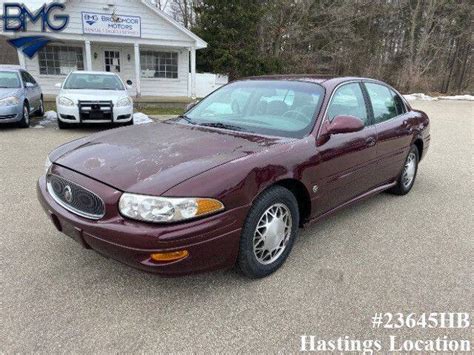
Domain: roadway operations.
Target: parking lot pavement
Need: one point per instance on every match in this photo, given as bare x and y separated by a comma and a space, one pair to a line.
387, 254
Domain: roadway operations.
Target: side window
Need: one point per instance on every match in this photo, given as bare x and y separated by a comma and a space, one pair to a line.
383, 102
348, 100
30, 78
24, 78
27, 78
399, 105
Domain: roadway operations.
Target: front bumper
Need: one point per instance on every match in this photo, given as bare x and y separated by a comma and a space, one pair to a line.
70, 114
9, 114
212, 242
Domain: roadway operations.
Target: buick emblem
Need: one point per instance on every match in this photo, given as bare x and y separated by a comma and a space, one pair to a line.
68, 194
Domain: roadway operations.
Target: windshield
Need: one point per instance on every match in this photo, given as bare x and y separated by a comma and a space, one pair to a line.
80, 81
270, 107
9, 80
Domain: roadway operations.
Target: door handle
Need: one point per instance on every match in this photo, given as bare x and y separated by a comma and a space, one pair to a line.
370, 141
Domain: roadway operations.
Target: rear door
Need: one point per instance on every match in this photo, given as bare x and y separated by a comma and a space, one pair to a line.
347, 159
394, 127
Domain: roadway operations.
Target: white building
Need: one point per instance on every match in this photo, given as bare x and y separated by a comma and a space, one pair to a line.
131, 37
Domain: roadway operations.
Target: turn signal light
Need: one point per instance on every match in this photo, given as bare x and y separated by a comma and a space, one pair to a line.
171, 256
207, 205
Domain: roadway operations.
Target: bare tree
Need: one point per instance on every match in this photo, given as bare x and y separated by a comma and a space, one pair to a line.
183, 11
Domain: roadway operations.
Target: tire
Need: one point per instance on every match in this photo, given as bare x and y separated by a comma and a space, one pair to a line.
259, 261
407, 177
40, 111
129, 123
63, 125
25, 119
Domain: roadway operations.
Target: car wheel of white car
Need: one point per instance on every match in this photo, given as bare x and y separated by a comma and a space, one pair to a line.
63, 125
25, 120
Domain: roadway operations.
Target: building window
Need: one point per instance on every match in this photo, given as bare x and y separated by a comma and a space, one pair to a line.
60, 60
159, 64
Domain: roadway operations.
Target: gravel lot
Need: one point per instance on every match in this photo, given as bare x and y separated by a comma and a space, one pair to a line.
387, 254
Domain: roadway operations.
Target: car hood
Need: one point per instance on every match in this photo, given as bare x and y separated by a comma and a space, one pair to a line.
152, 158
93, 95
5, 92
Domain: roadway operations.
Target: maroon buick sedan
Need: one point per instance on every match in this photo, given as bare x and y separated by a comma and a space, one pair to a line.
232, 180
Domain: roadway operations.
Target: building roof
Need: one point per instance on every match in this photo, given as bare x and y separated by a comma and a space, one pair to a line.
200, 43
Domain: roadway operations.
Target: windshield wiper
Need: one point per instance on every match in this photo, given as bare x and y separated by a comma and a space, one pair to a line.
223, 125
187, 119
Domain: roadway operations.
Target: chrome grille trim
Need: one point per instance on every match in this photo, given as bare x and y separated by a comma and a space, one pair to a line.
69, 207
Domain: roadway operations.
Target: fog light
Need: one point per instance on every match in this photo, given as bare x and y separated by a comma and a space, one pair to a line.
171, 256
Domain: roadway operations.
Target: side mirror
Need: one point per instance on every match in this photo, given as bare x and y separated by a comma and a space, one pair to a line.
191, 105
345, 124
339, 124
29, 85
129, 82
57, 85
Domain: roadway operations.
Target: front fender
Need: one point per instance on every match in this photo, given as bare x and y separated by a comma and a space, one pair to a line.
239, 182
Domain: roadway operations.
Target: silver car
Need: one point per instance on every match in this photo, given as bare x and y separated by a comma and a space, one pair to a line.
20, 96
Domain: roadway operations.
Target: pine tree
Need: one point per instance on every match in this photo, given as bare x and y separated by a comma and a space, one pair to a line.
231, 30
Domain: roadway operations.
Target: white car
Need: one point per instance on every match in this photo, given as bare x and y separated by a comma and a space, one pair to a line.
93, 97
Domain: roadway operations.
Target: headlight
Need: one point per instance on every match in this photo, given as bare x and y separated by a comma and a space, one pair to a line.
64, 101
47, 165
9, 101
164, 209
126, 101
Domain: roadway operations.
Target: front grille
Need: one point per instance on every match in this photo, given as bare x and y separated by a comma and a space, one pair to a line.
96, 110
75, 198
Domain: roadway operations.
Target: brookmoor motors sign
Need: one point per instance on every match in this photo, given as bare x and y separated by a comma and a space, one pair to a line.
111, 25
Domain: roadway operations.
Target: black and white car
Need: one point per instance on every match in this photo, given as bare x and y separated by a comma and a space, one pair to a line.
93, 97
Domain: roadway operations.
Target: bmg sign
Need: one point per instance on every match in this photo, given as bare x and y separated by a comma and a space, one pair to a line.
16, 17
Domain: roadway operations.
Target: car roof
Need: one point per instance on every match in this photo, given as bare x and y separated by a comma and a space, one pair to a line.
92, 72
14, 68
312, 78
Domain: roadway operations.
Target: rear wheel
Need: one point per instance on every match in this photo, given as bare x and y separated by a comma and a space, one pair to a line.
408, 175
25, 119
269, 232
40, 111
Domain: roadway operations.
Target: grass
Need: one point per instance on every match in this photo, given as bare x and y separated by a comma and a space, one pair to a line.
152, 111
51, 106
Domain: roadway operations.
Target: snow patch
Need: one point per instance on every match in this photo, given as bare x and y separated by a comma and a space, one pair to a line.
48, 120
424, 97
419, 96
457, 97
141, 118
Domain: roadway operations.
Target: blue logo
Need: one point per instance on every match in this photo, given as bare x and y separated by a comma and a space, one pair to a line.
16, 17
91, 19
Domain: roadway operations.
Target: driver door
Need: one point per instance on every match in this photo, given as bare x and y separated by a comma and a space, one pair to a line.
347, 162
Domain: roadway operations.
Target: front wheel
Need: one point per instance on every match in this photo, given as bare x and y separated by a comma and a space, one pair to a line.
269, 232
63, 125
407, 177
25, 119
